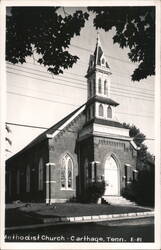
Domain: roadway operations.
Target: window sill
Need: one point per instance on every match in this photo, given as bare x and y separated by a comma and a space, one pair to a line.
67, 189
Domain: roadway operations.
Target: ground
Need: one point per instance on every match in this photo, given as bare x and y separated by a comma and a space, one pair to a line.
19, 214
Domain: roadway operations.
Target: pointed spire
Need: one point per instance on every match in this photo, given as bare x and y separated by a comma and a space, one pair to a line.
98, 39
98, 59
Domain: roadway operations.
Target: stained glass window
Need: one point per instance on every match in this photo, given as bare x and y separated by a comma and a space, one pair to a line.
67, 172
70, 168
63, 174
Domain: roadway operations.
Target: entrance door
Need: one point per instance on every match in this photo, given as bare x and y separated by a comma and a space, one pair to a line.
111, 177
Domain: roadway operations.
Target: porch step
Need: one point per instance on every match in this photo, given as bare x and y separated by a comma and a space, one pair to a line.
117, 200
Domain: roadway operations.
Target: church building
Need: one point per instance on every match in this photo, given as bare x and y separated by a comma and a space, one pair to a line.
86, 146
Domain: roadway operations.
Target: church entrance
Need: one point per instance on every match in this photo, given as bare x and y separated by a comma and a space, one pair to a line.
111, 177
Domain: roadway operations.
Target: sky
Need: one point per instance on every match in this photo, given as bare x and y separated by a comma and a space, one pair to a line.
36, 98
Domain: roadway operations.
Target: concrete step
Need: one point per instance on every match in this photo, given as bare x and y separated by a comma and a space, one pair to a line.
117, 200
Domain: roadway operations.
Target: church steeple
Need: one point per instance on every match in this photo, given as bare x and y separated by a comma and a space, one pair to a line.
99, 104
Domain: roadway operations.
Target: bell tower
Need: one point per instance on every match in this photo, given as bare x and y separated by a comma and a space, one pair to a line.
104, 144
99, 104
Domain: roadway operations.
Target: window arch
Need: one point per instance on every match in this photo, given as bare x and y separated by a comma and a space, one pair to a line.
66, 175
100, 111
109, 112
99, 86
40, 174
28, 178
105, 88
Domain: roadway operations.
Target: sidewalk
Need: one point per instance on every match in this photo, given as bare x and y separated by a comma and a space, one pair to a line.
25, 216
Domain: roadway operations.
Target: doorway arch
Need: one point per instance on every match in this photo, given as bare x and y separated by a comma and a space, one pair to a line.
111, 176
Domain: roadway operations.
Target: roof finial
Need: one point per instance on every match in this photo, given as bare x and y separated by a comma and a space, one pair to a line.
98, 37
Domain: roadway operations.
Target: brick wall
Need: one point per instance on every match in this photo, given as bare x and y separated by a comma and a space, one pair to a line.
65, 143
121, 150
20, 161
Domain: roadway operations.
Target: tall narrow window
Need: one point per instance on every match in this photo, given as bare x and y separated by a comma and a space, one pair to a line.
28, 178
63, 174
66, 175
40, 175
100, 111
105, 88
18, 181
70, 173
109, 112
99, 86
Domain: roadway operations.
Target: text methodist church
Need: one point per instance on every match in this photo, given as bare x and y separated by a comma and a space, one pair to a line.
87, 145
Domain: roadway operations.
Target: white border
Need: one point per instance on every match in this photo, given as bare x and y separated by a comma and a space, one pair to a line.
82, 3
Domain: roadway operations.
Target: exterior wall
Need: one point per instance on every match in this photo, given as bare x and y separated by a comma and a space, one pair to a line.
122, 152
97, 149
86, 157
30, 157
65, 143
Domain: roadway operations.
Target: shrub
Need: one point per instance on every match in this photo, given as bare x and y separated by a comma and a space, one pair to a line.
93, 192
142, 190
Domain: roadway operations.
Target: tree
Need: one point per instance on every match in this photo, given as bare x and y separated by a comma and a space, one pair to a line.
134, 29
8, 140
141, 190
144, 157
44, 31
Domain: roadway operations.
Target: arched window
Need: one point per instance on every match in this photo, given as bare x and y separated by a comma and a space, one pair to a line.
18, 181
105, 88
109, 112
66, 175
103, 60
100, 111
40, 174
28, 178
99, 86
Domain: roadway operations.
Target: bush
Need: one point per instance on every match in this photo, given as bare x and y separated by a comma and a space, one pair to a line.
142, 190
93, 192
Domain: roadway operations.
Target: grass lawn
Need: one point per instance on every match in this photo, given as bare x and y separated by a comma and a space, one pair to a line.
77, 209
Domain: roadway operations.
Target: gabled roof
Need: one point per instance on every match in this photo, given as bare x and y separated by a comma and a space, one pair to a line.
51, 130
